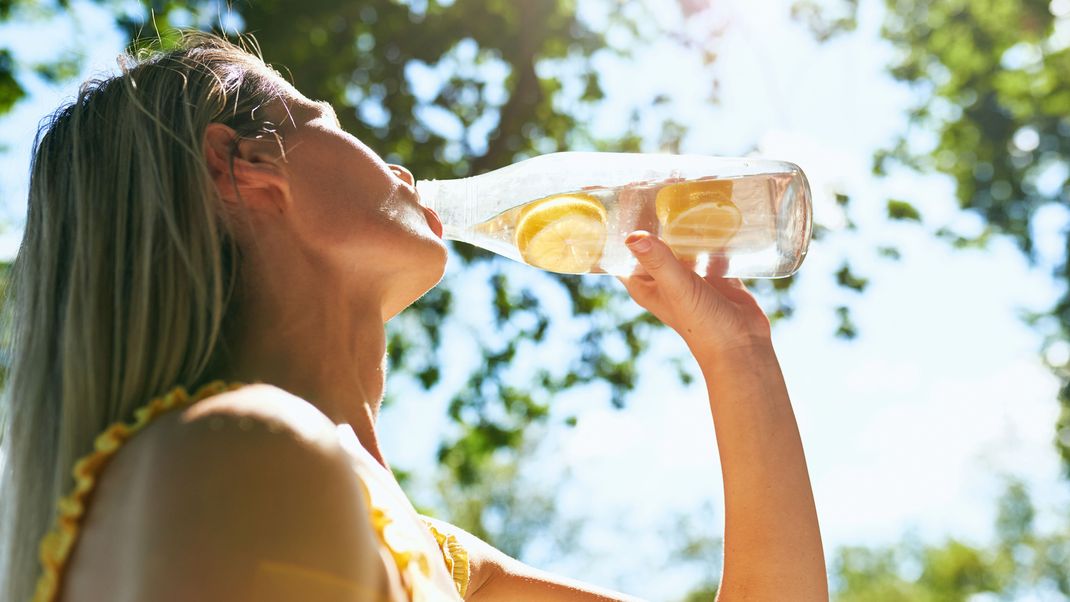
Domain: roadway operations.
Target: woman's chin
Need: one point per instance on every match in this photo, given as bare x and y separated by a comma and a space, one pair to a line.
424, 275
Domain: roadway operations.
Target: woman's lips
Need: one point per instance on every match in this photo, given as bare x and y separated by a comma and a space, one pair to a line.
433, 221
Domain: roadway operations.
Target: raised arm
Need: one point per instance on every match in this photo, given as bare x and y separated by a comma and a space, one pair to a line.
772, 541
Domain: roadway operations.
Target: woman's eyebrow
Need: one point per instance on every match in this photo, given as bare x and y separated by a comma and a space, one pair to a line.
329, 110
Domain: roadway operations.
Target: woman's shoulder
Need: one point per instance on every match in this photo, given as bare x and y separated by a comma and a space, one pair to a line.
246, 414
248, 488
214, 434
249, 445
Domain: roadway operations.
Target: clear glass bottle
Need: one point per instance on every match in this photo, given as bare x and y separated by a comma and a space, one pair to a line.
569, 212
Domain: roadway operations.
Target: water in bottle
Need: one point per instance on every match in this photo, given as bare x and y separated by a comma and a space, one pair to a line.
749, 218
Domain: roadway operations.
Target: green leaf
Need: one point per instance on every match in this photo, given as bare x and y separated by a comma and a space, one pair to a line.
846, 328
10, 90
847, 279
889, 252
902, 210
60, 70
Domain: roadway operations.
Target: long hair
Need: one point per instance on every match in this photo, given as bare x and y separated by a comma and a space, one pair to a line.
125, 276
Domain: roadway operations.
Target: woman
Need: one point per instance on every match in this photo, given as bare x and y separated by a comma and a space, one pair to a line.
196, 223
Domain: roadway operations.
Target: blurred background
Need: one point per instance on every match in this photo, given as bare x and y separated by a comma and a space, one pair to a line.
924, 340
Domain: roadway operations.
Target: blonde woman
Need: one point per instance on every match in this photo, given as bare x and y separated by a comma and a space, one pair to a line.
197, 314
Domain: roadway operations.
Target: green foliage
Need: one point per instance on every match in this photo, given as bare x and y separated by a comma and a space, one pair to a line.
507, 509
846, 328
694, 543
61, 69
10, 90
902, 210
958, 570
950, 572
826, 21
868, 575
497, 108
889, 252
704, 593
989, 85
847, 279
992, 83
1020, 564
489, 103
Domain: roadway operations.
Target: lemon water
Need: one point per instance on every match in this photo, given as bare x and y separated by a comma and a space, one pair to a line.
737, 217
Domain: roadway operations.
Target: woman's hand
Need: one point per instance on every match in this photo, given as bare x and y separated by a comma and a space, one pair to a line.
772, 539
713, 314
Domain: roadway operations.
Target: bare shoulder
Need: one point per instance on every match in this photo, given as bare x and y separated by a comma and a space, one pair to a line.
258, 408
248, 495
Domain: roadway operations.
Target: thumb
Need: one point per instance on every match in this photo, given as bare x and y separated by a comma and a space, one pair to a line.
658, 260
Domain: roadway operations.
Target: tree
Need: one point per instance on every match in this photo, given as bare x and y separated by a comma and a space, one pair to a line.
1020, 564
993, 81
488, 104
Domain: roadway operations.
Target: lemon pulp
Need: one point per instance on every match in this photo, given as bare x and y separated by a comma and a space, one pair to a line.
563, 233
697, 216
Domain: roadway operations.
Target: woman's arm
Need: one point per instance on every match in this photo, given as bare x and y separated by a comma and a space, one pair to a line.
497, 577
773, 546
772, 541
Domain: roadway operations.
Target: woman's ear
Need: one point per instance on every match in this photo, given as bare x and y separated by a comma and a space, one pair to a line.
250, 171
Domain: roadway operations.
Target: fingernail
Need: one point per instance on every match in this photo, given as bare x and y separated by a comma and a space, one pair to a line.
638, 243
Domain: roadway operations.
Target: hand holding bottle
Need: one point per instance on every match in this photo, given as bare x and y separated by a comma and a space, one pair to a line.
713, 314
772, 545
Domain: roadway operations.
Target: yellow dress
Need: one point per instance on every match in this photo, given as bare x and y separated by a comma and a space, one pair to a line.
56, 546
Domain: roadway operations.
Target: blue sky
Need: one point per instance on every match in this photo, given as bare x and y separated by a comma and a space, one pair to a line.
909, 429
912, 429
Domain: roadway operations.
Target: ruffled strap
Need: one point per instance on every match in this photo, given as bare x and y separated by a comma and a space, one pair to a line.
412, 563
455, 557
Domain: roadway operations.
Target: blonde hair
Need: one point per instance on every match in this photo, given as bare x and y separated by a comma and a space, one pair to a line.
126, 271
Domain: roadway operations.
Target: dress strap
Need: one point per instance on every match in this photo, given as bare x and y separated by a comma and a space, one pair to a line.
454, 555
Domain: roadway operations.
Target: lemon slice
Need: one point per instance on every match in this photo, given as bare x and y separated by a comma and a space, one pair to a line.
704, 227
697, 216
675, 199
563, 233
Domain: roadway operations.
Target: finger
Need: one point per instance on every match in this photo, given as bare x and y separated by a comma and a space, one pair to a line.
716, 268
638, 281
641, 289
659, 261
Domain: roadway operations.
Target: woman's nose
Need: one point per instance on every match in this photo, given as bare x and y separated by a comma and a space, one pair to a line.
404, 173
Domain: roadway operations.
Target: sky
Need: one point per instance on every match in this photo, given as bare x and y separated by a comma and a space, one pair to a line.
911, 429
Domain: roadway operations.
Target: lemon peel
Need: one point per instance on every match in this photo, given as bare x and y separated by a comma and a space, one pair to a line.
697, 216
563, 233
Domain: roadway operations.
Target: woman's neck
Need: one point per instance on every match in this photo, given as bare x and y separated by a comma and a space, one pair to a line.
331, 354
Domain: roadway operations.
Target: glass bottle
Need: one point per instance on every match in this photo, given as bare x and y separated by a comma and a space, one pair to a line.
569, 212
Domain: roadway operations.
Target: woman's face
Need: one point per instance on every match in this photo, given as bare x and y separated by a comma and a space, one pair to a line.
354, 214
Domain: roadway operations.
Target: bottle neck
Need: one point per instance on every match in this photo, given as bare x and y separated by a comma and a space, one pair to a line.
454, 201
